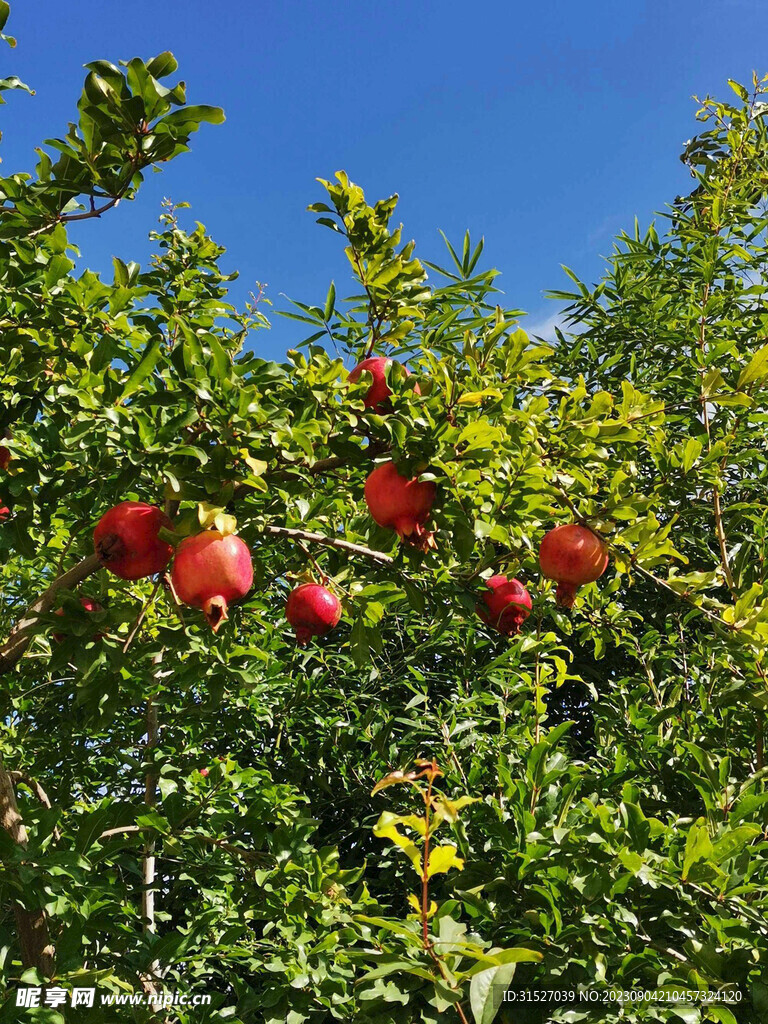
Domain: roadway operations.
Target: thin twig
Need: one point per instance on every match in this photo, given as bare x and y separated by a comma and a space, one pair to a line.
142, 614
712, 616
331, 542
68, 218
249, 856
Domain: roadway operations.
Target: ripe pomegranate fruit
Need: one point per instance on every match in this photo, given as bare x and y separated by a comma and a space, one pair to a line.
210, 571
506, 604
378, 394
312, 610
90, 606
127, 542
572, 555
401, 504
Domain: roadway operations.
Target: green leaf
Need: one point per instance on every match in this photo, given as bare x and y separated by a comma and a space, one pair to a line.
162, 65
193, 115
739, 89
222, 366
390, 925
698, 847
734, 841
692, 451
330, 302
756, 369
486, 992
143, 368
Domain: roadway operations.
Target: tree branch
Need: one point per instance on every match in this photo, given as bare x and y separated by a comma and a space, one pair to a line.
374, 449
68, 218
712, 616
249, 856
21, 634
38, 791
331, 542
14, 647
34, 785
142, 614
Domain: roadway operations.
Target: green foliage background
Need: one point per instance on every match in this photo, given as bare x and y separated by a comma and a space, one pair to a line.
617, 836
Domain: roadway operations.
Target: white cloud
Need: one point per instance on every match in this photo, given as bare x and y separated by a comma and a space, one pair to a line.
544, 327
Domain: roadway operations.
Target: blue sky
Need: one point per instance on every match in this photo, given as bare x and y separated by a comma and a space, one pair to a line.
545, 127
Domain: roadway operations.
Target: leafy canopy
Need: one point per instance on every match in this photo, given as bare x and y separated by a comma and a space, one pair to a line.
583, 805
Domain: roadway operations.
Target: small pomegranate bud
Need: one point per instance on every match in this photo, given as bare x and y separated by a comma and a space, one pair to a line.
378, 394
90, 606
505, 606
204, 772
401, 504
127, 542
312, 610
210, 571
572, 555
4, 511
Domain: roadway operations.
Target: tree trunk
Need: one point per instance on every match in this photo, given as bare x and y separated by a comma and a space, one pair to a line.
34, 940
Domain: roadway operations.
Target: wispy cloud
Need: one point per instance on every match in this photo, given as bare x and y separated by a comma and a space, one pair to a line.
545, 327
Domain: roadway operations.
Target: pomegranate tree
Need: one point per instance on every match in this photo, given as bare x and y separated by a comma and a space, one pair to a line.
210, 571
312, 610
90, 605
378, 394
572, 555
401, 504
127, 540
505, 605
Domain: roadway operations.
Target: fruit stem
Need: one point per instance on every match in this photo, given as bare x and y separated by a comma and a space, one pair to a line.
313, 561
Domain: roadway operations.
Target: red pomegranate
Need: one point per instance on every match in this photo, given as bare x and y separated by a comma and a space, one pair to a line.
210, 571
572, 555
90, 606
312, 610
401, 504
378, 394
4, 511
204, 772
506, 605
127, 542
